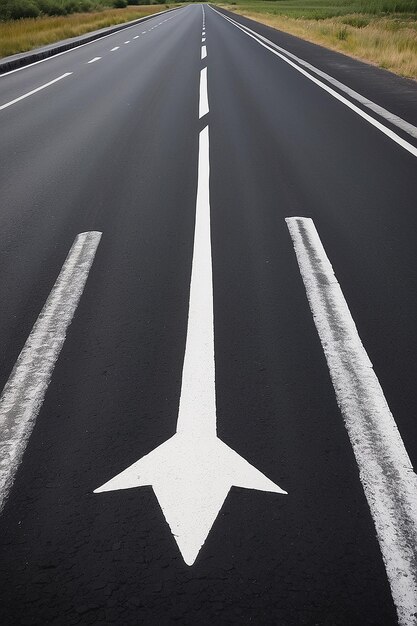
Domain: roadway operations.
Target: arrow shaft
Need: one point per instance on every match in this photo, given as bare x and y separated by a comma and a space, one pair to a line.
197, 410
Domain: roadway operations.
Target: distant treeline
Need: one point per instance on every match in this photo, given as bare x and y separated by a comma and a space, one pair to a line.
17, 9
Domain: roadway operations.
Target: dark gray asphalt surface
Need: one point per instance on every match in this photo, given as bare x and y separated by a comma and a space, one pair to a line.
114, 147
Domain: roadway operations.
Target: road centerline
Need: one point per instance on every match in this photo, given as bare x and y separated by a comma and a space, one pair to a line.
203, 103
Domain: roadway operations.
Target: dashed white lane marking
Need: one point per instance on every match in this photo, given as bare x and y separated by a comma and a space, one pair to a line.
24, 392
88, 43
192, 473
203, 104
127, 41
386, 131
385, 469
115, 48
203, 52
144, 32
203, 40
137, 37
30, 93
93, 60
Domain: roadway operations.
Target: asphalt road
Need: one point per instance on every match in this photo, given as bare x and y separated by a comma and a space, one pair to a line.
115, 147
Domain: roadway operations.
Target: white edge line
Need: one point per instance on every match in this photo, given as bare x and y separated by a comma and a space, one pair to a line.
54, 56
376, 108
385, 469
386, 131
24, 392
30, 93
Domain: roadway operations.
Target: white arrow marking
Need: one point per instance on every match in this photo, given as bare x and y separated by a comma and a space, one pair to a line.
192, 473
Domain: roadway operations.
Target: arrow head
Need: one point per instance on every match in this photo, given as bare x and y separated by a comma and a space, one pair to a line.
191, 478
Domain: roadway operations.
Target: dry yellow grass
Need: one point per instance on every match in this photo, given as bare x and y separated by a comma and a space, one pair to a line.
389, 42
26, 34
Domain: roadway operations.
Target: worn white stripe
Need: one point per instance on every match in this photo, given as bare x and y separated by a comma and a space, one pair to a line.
383, 129
115, 48
203, 105
385, 469
136, 37
30, 93
203, 52
24, 392
94, 60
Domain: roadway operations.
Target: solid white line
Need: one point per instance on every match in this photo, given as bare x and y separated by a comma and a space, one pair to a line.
25, 390
94, 60
88, 43
203, 52
203, 104
198, 377
386, 131
385, 468
30, 93
115, 48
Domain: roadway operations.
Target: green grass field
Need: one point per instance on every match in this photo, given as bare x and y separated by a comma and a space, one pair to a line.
383, 32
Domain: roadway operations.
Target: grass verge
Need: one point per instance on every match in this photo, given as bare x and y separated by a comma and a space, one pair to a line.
382, 32
26, 34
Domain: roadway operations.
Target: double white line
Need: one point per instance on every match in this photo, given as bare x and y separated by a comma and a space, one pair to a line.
390, 117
